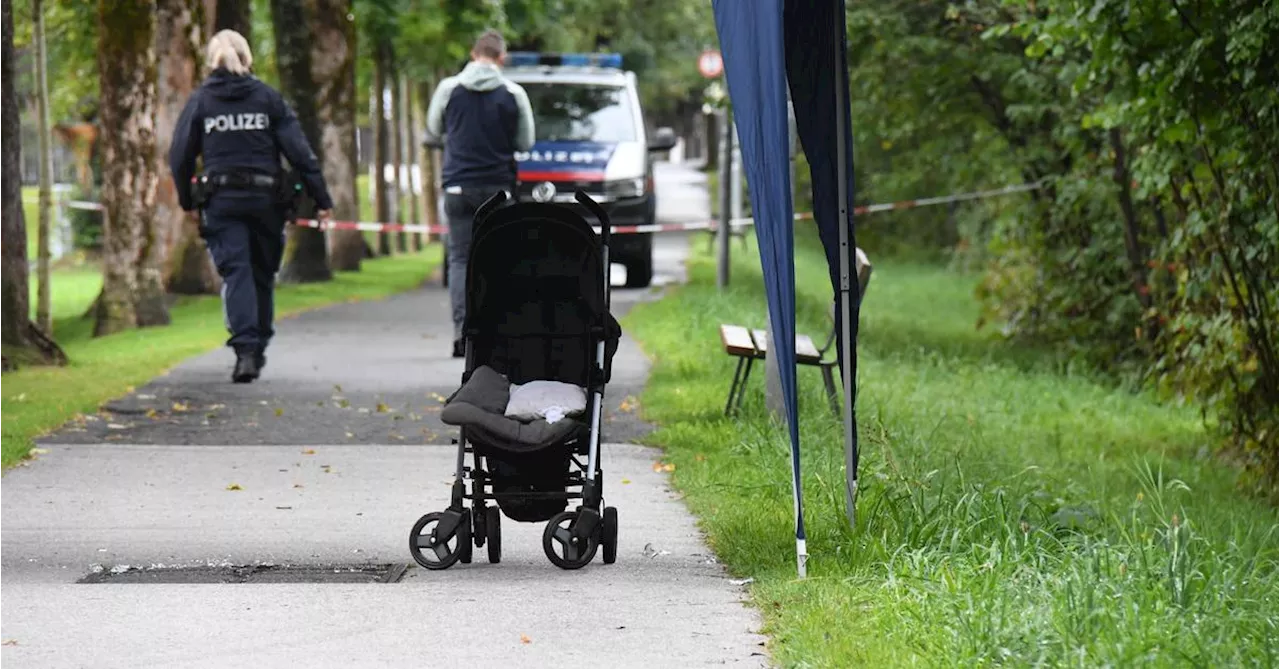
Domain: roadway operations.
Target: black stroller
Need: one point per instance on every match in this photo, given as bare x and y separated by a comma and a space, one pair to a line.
537, 310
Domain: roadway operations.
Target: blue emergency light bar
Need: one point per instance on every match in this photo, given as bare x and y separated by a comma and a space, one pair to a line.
534, 58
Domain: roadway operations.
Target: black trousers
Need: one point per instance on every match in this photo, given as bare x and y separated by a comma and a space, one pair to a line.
245, 235
460, 210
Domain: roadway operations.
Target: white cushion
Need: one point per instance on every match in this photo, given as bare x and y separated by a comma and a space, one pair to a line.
549, 400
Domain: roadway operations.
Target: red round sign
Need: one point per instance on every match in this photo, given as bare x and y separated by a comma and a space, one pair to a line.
710, 64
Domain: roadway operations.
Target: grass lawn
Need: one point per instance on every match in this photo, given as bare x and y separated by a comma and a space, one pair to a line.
39, 399
1013, 509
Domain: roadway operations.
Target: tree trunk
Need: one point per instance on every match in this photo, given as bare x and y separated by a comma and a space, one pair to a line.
306, 255
188, 269
333, 68
1132, 240
44, 317
427, 156
398, 157
132, 285
381, 145
23, 343
234, 15
409, 118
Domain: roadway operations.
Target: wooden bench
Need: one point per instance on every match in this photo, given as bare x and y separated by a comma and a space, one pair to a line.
749, 345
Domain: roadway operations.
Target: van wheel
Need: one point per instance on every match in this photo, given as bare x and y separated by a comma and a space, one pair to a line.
640, 265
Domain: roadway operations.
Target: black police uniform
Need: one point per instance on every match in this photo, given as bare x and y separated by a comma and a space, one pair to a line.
241, 126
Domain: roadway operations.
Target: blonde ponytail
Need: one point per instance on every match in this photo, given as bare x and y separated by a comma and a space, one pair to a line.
229, 50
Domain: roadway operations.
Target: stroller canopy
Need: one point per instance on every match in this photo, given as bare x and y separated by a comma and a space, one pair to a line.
537, 295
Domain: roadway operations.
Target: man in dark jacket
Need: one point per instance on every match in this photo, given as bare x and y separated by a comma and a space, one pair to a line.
484, 119
240, 127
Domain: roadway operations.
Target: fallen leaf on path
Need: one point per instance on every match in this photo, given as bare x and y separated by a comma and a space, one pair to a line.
309, 451
180, 407
39, 451
234, 486
626, 481
343, 404
628, 405
151, 413
129, 389
337, 387
669, 467
279, 412
663, 467
382, 408
524, 638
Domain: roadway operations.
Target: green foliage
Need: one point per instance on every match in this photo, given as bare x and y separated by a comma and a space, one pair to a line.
1152, 248
86, 225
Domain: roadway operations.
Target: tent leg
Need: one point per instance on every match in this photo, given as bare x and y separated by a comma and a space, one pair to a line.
846, 310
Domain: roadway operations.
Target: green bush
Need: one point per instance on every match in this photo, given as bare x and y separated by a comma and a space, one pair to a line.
86, 225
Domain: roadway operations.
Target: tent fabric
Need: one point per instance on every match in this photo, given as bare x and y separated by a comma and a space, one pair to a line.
751, 44
770, 47
811, 51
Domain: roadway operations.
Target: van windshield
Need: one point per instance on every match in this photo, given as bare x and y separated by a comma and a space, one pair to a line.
580, 113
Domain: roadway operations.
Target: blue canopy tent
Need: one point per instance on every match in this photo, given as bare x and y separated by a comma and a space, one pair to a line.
768, 48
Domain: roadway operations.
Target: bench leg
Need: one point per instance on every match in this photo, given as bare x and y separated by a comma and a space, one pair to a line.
828, 379
735, 387
742, 388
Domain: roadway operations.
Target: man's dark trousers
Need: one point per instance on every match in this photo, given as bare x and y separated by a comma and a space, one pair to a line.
460, 209
245, 236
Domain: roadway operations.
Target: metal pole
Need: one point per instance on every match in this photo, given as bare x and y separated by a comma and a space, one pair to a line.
735, 183
846, 310
726, 174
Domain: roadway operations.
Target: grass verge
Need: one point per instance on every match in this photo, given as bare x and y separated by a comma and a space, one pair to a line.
1013, 510
38, 399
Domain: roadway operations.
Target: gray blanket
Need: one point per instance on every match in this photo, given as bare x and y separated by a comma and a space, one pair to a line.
481, 403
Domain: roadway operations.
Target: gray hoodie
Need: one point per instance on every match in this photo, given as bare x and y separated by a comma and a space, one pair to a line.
484, 119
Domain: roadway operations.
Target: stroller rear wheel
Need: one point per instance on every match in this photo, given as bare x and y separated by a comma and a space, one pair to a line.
493, 527
610, 539
566, 547
438, 539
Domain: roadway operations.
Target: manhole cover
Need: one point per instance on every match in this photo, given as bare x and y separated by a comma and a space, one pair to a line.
361, 573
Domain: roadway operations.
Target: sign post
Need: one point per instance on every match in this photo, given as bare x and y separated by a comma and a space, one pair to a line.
710, 64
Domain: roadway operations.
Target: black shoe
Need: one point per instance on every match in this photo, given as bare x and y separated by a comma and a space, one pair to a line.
246, 369
459, 349
260, 359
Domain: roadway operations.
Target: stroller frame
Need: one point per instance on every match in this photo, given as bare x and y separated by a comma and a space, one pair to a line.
572, 537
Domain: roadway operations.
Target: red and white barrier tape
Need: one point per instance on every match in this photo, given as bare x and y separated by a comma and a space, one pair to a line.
365, 226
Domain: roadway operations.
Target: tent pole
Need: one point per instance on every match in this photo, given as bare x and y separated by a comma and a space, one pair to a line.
726, 215
846, 311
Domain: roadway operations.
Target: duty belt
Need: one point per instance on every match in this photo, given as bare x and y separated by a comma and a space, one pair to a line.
242, 180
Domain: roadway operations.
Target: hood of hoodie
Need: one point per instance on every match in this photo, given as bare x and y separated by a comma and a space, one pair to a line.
480, 77
223, 85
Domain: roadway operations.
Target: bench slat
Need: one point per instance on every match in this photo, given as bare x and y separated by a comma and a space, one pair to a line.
806, 352
737, 340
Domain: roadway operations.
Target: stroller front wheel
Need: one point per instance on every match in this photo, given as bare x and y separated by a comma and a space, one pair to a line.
438, 539
565, 548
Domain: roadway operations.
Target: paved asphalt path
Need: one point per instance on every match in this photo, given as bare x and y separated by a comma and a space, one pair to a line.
320, 468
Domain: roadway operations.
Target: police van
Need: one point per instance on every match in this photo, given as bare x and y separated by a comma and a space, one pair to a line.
591, 135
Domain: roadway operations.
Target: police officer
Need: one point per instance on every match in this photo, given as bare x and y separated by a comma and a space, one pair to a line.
240, 126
